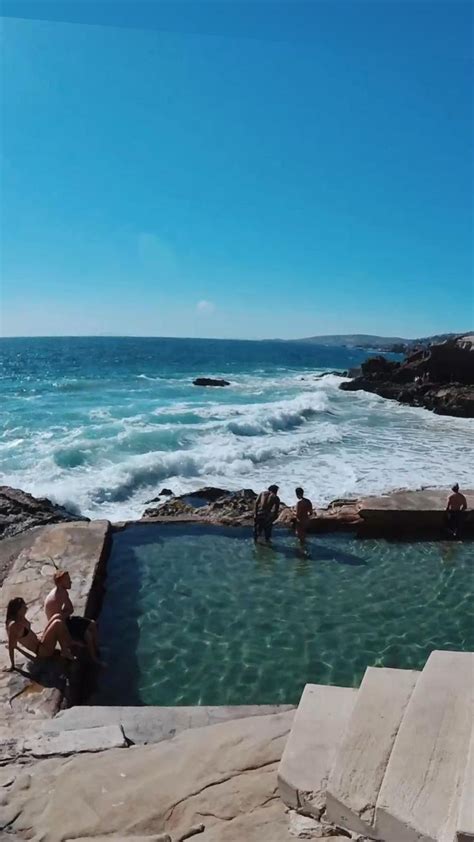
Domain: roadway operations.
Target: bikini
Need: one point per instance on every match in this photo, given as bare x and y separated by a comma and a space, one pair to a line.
26, 631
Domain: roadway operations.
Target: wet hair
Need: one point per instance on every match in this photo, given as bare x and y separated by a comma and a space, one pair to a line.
13, 608
58, 575
273, 488
299, 491
455, 487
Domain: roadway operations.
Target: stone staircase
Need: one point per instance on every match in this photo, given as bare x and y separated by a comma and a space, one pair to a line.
392, 761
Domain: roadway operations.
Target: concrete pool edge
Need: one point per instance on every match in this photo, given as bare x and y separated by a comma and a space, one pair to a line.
403, 514
39, 690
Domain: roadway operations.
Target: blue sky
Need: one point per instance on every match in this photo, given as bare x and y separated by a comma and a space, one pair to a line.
238, 170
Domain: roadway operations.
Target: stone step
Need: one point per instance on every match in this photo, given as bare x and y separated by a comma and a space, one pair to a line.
310, 751
362, 758
420, 796
152, 724
75, 742
465, 822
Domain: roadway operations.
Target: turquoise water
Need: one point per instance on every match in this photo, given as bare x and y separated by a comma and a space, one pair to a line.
102, 424
198, 615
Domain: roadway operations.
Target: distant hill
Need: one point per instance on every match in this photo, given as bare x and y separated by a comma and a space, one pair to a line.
380, 343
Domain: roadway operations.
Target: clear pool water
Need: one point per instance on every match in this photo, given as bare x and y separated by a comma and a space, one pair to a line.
198, 615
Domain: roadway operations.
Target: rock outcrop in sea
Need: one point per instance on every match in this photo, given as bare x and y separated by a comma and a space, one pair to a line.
210, 381
439, 378
20, 511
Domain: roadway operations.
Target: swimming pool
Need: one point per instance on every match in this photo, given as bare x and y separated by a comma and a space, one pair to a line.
197, 615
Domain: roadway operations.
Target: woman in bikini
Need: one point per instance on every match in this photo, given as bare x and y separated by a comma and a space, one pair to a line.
20, 634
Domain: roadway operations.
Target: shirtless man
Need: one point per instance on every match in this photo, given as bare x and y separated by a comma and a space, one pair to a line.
456, 505
58, 603
304, 510
267, 506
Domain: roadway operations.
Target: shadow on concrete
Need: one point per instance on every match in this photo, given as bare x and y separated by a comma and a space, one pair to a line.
118, 624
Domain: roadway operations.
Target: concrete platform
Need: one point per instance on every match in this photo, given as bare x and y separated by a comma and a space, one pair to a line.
149, 725
421, 793
310, 752
411, 513
362, 758
38, 687
465, 822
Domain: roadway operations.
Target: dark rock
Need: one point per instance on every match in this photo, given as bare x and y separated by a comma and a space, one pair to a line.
166, 492
439, 378
209, 381
327, 373
214, 505
209, 493
20, 511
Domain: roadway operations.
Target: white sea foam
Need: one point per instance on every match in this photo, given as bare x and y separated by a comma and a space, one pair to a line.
263, 429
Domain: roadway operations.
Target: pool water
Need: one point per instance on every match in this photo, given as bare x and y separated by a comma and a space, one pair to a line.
199, 615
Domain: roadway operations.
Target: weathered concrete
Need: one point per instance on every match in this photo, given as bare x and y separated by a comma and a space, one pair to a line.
38, 687
310, 752
465, 821
363, 755
76, 742
147, 725
420, 795
223, 776
411, 513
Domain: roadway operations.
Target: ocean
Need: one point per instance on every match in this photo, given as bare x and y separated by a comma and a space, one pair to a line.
101, 425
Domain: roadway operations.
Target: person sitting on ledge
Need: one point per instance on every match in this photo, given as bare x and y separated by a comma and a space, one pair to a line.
20, 633
455, 508
304, 510
83, 632
267, 507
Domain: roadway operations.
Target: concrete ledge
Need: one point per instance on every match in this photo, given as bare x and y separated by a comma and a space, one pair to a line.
411, 514
76, 742
311, 748
38, 687
420, 795
465, 822
152, 724
364, 753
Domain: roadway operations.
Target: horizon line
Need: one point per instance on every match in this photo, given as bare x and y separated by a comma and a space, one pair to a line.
304, 339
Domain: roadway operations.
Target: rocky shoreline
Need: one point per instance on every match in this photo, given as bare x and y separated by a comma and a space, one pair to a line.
439, 378
398, 514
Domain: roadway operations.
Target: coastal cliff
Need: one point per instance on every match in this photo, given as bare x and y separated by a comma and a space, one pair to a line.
439, 378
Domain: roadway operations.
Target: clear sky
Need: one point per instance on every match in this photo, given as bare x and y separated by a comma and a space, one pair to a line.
259, 169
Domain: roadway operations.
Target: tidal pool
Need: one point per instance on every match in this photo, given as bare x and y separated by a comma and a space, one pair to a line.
199, 615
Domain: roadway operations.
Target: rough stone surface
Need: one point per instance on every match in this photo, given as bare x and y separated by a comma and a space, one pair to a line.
149, 724
223, 776
402, 513
310, 752
20, 511
411, 513
440, 378
465, 822
363, 755
420, 795
76, 741
38, 687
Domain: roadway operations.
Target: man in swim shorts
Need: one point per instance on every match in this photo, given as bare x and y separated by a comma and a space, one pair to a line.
304, 510
267, 507
58, 603
455, 508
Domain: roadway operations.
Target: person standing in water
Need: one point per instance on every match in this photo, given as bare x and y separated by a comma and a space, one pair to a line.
304, 510
455, 508
267, 507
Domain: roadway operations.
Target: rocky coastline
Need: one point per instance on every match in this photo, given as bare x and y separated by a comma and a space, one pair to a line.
398, 514
439, 378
